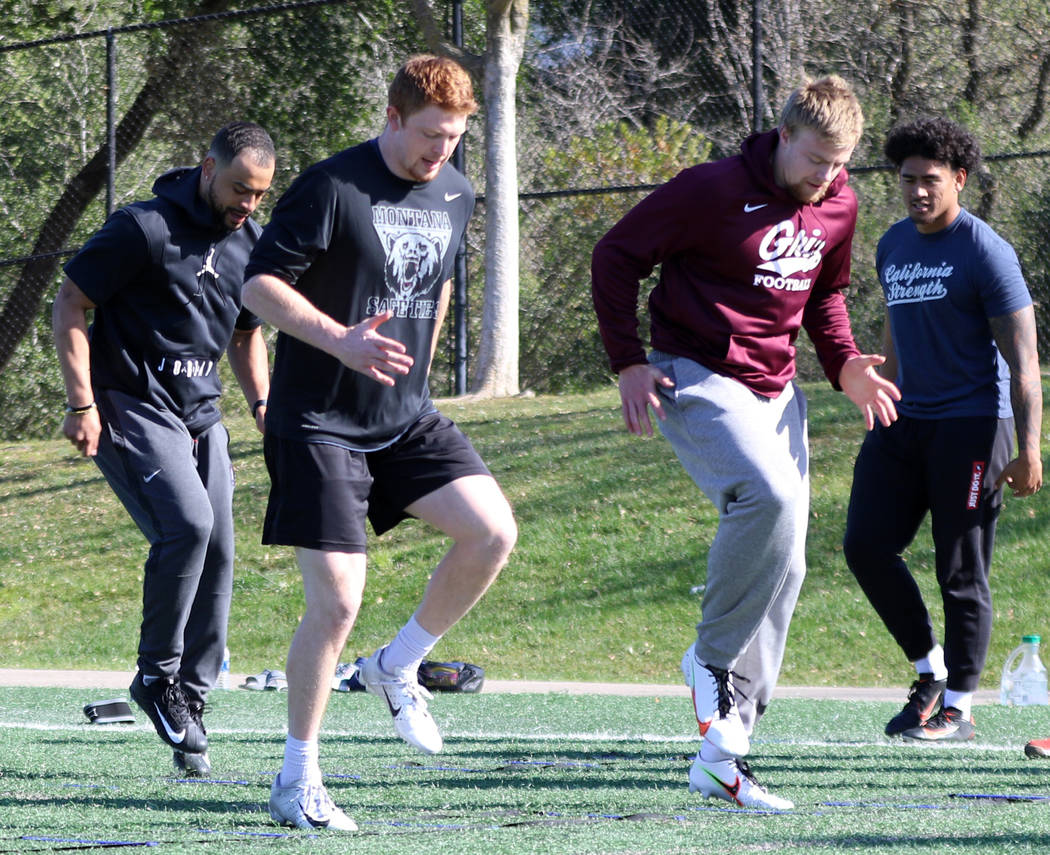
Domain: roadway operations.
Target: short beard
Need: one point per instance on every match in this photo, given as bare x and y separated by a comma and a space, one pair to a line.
218, 214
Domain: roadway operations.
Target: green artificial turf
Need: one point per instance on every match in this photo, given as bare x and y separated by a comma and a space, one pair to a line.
521, 774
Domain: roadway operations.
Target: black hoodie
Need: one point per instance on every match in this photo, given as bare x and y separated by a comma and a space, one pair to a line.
166, 278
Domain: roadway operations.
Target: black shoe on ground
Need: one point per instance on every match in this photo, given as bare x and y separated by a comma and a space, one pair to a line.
923, 698
948, 725
191, 765
1037, 749
165, 704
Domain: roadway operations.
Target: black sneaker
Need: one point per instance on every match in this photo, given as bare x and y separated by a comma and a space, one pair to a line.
923, 698
165, 704
947, 726
191, 765
196, 709
1037, 749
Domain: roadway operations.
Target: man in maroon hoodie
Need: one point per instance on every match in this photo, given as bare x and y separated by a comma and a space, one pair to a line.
751, 248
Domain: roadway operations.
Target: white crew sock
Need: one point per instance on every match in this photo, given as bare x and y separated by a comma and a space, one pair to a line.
933, 663
962, 701
300, 761
408, 648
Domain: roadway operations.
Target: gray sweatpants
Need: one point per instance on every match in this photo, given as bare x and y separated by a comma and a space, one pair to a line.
179, 491
749, 455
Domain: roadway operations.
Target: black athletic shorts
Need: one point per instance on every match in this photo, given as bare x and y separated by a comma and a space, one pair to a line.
320, 494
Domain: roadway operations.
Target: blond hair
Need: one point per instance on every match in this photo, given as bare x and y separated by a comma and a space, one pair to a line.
829, 107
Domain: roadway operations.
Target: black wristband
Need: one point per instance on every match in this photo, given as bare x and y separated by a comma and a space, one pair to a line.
255, 407
79, 411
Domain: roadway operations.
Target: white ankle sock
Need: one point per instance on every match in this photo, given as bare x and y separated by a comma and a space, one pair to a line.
300, 761
962, 701
933, 663
408, 648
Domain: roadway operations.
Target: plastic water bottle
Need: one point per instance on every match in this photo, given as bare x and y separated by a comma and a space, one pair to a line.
224, 672
1025, 684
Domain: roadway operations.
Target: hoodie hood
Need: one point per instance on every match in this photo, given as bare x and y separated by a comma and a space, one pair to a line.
180, 187
758, 150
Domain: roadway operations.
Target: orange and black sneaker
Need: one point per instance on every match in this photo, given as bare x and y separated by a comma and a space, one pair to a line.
948, 725
923, 698
1037, 749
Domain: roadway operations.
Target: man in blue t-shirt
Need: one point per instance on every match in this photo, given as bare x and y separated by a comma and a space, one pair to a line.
960, 339
354, 269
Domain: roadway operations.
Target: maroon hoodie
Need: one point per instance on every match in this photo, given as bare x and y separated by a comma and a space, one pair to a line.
744, 266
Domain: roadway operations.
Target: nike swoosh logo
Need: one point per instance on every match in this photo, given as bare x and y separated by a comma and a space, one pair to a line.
151, 476
394, 711
748, 208
926, 714
175, 736
732, 789
316, 823
449, 197
703, 723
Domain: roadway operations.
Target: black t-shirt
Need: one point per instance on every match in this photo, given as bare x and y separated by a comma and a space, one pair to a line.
357, 240
166, 280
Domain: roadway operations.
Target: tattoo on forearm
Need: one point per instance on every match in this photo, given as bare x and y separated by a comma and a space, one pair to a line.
1015, 337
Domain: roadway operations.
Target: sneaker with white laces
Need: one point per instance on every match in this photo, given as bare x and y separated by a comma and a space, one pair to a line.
305, 805
733, 781
407, 701
714, 702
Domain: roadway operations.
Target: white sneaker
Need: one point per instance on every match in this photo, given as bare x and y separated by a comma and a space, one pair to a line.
714, 702
304, 805
732, 780
407, 701
687, 666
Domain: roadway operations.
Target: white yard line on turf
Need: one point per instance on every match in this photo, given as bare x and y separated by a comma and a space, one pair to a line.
525, 736
122, 679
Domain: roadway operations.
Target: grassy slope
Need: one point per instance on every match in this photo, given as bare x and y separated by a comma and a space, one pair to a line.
613, 537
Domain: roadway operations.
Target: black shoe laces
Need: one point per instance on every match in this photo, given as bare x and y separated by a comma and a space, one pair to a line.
197, 714
174, 702
725, 689
917, 695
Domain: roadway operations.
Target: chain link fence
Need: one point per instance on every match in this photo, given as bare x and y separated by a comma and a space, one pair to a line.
614, 99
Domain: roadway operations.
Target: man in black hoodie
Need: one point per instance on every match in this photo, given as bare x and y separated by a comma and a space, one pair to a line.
163, 278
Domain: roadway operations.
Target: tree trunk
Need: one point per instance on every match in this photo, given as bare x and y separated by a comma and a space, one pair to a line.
497, 367
506, 22
23, 303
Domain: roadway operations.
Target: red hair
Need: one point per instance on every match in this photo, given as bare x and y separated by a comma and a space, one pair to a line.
426, 79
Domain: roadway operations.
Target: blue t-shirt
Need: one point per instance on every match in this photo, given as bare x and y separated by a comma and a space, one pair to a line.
940, 290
